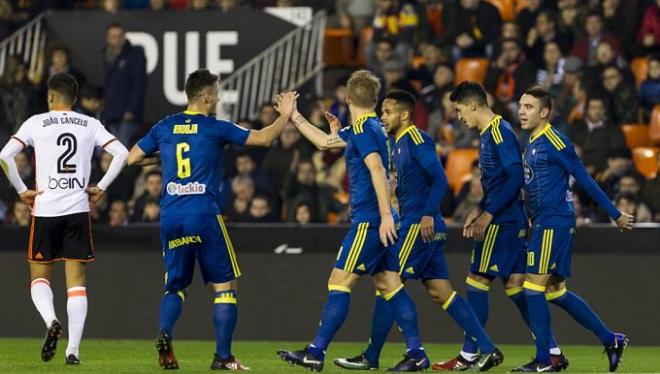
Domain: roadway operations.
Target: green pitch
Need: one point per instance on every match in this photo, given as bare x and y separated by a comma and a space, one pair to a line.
139, 356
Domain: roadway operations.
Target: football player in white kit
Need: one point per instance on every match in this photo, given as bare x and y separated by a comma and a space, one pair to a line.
60, 229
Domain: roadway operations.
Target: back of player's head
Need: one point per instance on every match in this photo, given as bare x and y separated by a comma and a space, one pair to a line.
402, 98
198, 81
468, 91
542, 95
64, 86
363, 88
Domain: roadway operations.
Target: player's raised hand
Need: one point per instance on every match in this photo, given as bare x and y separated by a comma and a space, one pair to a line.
427, 228
625, 221
479, 226
467, 227
285, 103
28, 196
95, 194
387, 230
333, 121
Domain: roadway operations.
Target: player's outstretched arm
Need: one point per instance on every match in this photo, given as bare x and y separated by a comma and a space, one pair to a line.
387, 228
315, 135
284, 104
138, 157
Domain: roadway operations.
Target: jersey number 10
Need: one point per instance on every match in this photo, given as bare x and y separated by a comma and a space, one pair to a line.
182, 164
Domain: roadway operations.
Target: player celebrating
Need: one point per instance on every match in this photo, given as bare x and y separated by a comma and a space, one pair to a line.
362, 249
60, 229
419, 252
499, 223
191, 149
549, 161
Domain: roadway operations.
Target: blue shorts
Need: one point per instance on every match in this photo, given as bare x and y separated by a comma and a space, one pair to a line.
550, 250
414, 259
201, 237
501, 253
361, 251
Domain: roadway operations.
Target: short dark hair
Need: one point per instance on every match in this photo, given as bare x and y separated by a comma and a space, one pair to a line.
199, 80
65, 85
152, 173
550, 14
596, 96
404, 98
594, 13
515, 41
89, 91
469, 91
115, 25
542, 95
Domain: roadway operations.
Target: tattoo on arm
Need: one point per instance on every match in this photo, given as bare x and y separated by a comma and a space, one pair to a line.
334, 140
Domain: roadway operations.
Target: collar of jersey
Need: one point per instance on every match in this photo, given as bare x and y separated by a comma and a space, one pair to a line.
492, 121
364, 117
191, 113
545, 129
409, 129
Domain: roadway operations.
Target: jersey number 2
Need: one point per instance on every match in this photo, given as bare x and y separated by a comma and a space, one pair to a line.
69, 141
182, 164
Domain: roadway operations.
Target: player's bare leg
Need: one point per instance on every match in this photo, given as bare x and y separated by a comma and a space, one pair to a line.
76, 307
224, 317
42, 297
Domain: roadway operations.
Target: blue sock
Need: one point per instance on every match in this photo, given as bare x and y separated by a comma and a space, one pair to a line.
478, 300
224, 318
539, 320
170, 310
381, 324
333, 316
517, 295
405, 315
460, 311
582, 313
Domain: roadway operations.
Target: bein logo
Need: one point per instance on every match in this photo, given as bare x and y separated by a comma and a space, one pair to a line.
192, 188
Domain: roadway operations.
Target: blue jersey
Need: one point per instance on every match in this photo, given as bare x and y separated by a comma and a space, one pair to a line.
191, 149
501, 173
549, 161
364, 137
420, 179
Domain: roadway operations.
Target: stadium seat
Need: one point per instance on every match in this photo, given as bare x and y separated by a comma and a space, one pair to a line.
646, 160
472, 69
520, 5
459, 163
637, 135
654, 128
640, 68
365, 37
337, 46
507, 9
417, 62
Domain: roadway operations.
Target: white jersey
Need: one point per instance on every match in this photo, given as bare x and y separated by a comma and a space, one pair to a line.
63, 143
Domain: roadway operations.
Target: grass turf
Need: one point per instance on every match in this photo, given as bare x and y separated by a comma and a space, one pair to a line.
139, 356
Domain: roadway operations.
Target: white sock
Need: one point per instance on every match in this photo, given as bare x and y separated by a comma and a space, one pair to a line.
42, 297
469, 356
76, 308
555, 351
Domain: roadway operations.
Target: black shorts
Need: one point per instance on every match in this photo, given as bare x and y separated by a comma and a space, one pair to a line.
61, 238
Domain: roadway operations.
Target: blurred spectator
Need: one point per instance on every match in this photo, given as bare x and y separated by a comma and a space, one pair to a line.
354, 14
619, 165
151, 211
21, 214
288, 150
471, 201
330, 168
649, 91
475, 173
509, 75
551, 75
621, 20
443, 81
261, 211
448, 131
303, 213
226, 6
245, 166
433, 55
544, 32
300, 185
384, 50
125, 84
25, 169
649, 32
572, 14
90, 101
566, 100
60, 62
198, 5
123, 186
237, 208
526, 18
18, 95
622, 95
157, 5
398, 21
583, 215
651, 194
339, 107
118, 214
110, 6
510, 30
629, 203
605, 56
153, 186
394, 76
472, 27
267, 115
596, 135
585, 48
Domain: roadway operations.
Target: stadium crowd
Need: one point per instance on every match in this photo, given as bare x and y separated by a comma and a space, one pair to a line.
582, 51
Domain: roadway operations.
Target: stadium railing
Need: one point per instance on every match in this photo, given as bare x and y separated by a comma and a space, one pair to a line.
29, 43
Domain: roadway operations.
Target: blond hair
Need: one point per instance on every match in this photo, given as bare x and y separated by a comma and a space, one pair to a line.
363, 88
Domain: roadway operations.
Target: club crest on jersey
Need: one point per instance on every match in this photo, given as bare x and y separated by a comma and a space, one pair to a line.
529, 173
192, 188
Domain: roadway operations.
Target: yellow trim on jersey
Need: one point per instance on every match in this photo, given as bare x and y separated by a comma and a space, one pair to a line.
487, 249
191, 112
356, 247
230, 247
334, 287
555, 295
554, 139
378, 293
388, 296
408, 244
513, 291
414, 134
546, 128
546, 250
490, 123
358, 126
476, 284
533, 287
449, 301
182, 295
225, 299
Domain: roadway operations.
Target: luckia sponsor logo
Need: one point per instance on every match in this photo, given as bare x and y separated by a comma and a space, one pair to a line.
192, 188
